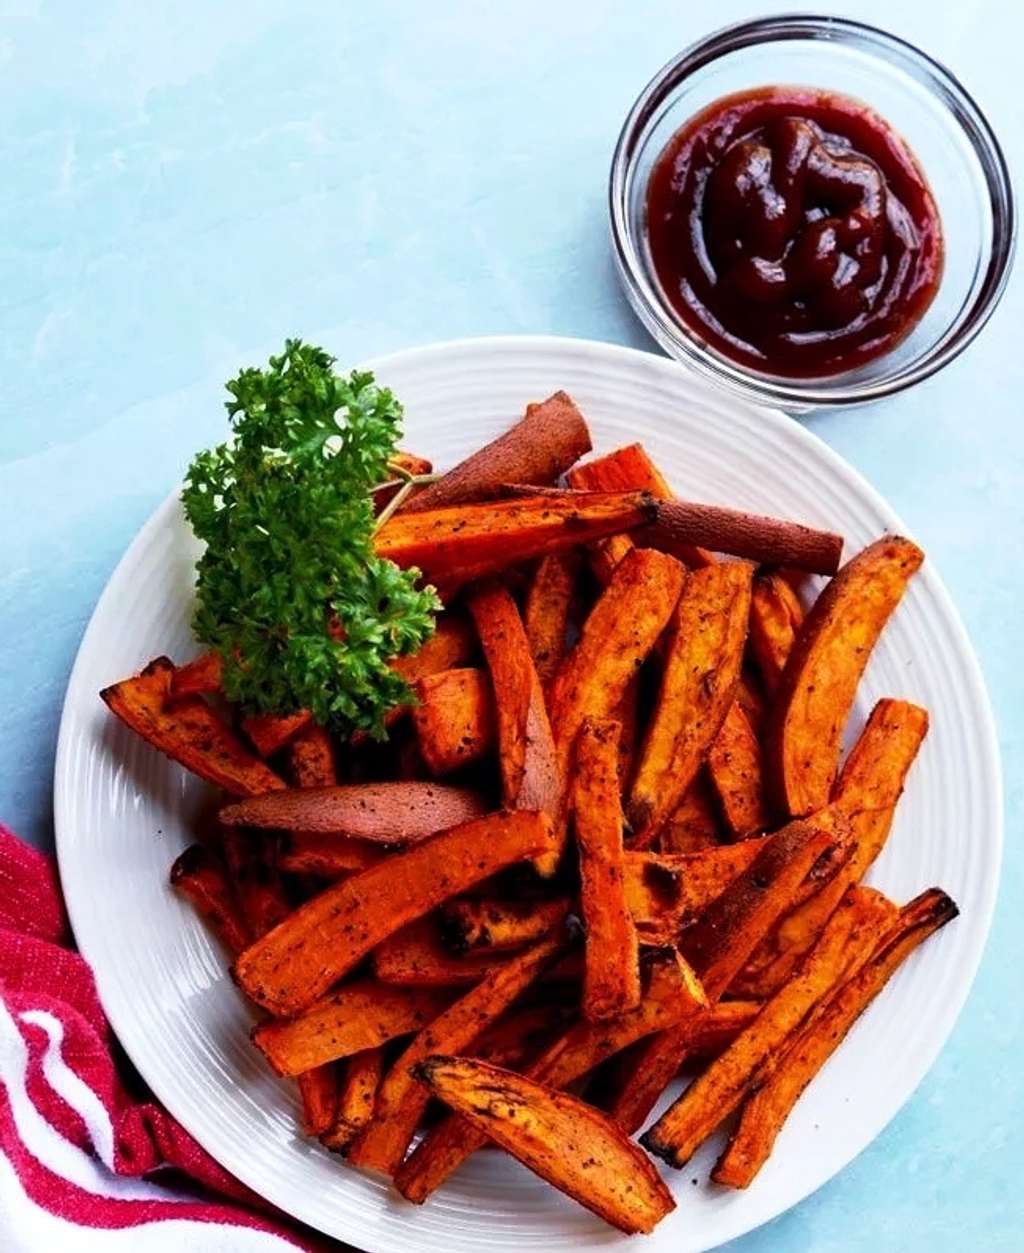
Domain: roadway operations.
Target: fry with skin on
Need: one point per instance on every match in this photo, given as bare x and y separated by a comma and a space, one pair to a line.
188, 731
526, 750
775, 618
454, 719
767, 541
611, 979
817, 688
358, 1016
702, 668
559, 1137
291, 966
672, 994
384, 813
620, 631
401, 1101
768, 1108
548, 604
850, 934
469, 541
477, 923
717, 945
198, 875
624, 469
417, 956
356, 1093
734, 768
538, 449
867, 792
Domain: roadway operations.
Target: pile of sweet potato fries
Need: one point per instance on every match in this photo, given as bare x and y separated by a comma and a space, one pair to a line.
610, 841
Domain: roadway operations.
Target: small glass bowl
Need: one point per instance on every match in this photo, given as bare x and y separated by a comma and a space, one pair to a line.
918, 97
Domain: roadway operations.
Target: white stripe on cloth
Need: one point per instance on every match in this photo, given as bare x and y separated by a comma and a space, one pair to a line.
71, 1089
42, 1140
27, 1228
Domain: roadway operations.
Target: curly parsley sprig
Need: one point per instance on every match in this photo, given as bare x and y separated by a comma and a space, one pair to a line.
290, 591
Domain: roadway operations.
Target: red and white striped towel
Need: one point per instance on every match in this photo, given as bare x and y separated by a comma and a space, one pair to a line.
80, 1157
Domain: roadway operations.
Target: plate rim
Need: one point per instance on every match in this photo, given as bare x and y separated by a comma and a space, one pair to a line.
989, 756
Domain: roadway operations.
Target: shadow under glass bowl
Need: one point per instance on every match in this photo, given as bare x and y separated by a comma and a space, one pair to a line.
920, 99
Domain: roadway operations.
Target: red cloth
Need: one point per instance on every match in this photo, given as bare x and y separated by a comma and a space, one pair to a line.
77, 1150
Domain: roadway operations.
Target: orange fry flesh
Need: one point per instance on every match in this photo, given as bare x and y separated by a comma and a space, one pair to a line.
291, 966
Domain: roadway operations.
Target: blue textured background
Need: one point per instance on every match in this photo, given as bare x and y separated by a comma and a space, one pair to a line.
185, 184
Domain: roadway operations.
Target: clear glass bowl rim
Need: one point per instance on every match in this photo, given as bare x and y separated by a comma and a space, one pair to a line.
800, 394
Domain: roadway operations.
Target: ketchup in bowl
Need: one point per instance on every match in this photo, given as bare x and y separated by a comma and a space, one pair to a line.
794, 231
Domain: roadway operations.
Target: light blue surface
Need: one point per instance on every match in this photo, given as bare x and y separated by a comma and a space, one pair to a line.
185, 184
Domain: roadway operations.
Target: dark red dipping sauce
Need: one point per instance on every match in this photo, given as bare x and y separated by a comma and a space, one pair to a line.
794, 231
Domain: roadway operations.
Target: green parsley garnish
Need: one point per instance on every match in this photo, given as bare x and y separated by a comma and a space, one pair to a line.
290, 592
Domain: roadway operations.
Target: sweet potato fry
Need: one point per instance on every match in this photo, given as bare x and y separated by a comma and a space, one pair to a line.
189, 732
295, 963
311, 759
867, 792
548, 605
538, 449
383, 813
714, 1028
325, 856
694, 823
358, 1016
250, 860
775, 618
401, 1101
629, 469
611, 980
454, 720
734, 768
681, 524
667, 891
751, 699
318, 1091
702, 668
518, 1036
606, 554
269, 733
672, 993
559, 1137
198, 875
620, 631
717, 945
485, 923
768, 1108
452, 644
526, 749
710, 1099
417, 956
470, 541
817, 687
199, 677
356, 1093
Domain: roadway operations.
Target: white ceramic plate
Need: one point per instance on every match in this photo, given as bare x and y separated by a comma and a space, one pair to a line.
123, 813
